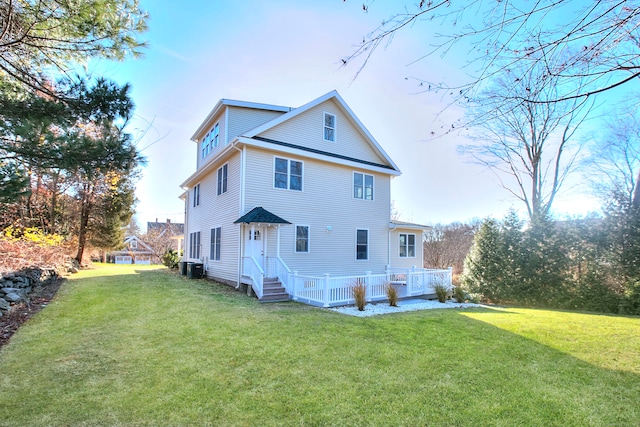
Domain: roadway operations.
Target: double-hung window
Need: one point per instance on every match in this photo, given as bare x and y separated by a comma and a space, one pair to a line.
194, 245
302, 238
222, 179
196, 195
407, 245
287, 174
216, 238
215, 135
362, 186
329, 127
362, 244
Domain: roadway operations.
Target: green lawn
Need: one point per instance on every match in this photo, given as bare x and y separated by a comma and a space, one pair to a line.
137, 346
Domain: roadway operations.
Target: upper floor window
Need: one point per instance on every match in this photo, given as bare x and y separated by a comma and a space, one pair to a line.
362, 186
196, 195
222, 179
287, 174
216, 239
133, 244
362, 244
211, 140
302, 238
329, 127
407, 245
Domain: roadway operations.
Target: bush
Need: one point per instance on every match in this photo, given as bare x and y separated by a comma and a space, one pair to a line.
392, 295
459, 294
171, 258
359, 291
441, 292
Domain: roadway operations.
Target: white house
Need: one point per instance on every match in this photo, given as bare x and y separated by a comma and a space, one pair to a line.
295, 203
135, 251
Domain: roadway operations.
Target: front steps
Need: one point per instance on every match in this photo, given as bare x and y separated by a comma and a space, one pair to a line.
272, 291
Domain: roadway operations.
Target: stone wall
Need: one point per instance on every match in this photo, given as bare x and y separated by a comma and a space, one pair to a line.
16, 287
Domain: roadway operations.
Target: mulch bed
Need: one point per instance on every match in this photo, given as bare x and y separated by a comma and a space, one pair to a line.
20, 313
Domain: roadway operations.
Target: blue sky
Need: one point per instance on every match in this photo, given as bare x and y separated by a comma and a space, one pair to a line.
287, 52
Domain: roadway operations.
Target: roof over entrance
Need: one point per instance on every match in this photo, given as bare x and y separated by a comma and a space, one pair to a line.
260, 215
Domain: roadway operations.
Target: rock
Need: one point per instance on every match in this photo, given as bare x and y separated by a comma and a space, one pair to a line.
13, 297
4, 305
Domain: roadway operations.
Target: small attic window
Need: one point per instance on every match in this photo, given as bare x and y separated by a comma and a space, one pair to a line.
329, 127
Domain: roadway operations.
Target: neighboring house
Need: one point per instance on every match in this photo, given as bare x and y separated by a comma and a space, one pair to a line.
296, 202
135, 251
163, 236
168, 229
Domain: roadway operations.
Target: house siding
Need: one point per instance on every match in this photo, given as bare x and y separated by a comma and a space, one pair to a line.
394, 246
218, 211
326, 201
241, 120
307, 129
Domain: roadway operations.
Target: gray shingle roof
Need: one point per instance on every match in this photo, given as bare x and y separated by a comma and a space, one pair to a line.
260, 215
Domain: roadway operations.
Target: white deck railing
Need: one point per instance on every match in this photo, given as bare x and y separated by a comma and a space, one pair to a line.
328, 290
252, 269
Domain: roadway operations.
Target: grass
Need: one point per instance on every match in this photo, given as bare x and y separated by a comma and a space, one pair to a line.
126, 345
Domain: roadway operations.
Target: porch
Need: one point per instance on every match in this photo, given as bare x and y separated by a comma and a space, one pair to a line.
330, 291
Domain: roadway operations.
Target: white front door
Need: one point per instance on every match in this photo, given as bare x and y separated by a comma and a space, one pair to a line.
254, 244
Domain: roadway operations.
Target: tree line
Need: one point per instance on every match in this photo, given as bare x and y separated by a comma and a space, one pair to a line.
67, 165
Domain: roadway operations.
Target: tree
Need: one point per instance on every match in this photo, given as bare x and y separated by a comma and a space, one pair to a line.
448, 245
588, 47
527, 143
39, 38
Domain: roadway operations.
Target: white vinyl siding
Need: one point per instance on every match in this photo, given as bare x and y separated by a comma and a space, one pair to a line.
243, 119
328, 207
220, 212
305, 129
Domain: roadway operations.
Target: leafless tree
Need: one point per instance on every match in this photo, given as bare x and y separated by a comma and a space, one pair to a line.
530, 145
448, 245
614, 167
589, 47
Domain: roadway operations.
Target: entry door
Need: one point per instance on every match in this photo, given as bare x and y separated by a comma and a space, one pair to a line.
254, 244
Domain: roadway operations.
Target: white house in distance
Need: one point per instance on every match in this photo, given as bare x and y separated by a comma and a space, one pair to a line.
295, 203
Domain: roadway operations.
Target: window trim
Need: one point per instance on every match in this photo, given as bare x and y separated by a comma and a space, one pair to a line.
289, 160
325, 127
407, 245
222, 181
215, 244
364, 186
367, 245
196, 195
295, 239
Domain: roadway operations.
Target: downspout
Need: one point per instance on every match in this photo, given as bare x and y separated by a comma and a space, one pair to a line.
392, 226
240, 208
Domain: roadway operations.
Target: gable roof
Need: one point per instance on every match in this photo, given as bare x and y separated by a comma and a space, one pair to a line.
260, 215
393, 224
253, 133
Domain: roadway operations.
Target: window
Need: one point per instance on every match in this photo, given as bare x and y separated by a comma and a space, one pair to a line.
407, 245
362, 186
194, 245
196, 195
215, 135
287, 174
329, 127
215, 243
302, 238
133, 244
222, 180
206, 146
362, 244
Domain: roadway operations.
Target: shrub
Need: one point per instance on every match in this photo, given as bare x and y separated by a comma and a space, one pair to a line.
441, 292
392, 295
459, 294
359, 291
171, 258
